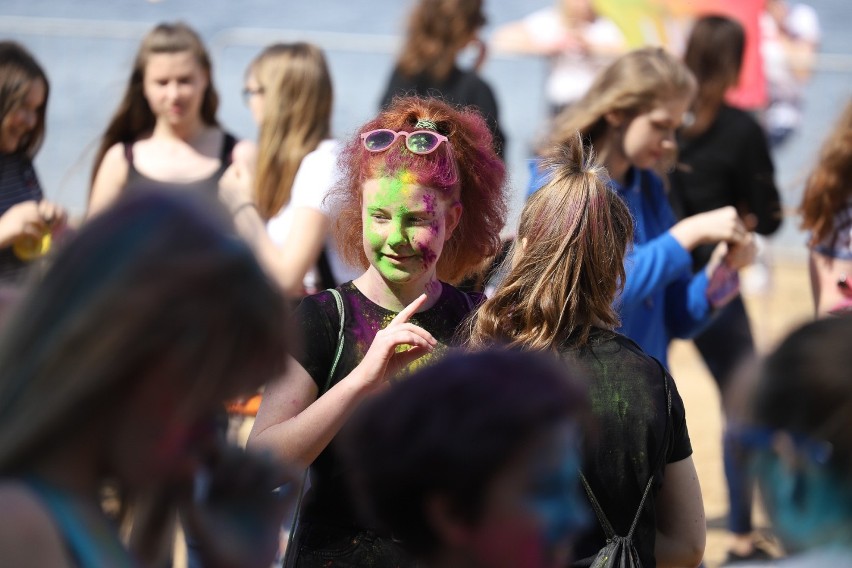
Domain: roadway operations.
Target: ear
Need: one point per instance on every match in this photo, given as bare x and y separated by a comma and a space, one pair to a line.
451, 531
453, 216
614, 118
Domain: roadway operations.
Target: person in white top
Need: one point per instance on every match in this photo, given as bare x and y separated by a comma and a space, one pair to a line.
578, 42
790, 36
290, 170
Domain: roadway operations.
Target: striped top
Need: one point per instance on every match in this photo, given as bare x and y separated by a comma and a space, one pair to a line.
18, 182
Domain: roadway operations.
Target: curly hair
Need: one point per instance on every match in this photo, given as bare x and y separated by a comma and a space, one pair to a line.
567, 264
467, 169
829, 186
437, 31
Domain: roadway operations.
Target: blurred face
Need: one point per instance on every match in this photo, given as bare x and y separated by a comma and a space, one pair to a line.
174, 86
405, 228
254, 97
533, 508
650, 136
23, 118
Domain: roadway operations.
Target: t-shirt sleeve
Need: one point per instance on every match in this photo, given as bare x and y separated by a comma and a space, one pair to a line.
318, 340
680, 446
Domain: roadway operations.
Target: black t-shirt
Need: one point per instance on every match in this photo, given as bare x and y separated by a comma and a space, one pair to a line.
460, 88
727, 164
627, 437
328, 500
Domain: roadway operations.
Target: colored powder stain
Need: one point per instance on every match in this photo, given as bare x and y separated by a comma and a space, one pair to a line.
429, 256
433, 227
430, 202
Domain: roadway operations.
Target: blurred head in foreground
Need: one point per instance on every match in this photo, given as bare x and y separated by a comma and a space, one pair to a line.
798, 428
473, 460
124, 351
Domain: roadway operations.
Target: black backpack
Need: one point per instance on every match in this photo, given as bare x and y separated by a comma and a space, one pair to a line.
619, 551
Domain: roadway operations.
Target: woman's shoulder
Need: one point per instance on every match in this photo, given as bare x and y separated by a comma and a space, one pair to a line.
324, 155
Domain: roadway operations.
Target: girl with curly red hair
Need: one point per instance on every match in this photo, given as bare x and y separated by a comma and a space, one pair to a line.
419, 205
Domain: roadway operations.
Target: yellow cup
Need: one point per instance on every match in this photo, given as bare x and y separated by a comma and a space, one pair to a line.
29, 248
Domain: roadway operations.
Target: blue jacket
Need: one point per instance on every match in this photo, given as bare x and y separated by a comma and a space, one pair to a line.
661, 299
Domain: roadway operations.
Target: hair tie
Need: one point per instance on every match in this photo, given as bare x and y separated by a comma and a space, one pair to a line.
423, 123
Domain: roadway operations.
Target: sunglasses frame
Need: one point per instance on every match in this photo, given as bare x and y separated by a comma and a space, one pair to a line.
407, 135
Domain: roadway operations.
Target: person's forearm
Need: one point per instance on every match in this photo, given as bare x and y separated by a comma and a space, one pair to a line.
672, 553
303, 437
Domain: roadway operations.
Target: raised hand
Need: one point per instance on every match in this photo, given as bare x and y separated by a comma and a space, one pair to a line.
385, 358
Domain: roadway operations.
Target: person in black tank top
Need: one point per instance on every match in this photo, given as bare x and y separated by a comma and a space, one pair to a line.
166, 123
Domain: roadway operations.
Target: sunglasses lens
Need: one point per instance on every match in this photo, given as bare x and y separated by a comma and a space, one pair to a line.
379, 140
422, 142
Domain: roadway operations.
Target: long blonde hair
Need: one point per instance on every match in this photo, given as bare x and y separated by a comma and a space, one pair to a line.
296, 117
631, 85
567, 263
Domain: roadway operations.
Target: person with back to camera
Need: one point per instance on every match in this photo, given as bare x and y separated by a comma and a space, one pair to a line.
165, 132
630, 115
438, 30
826, 210
115, 366
421, 202
562, 278
723, 160
289, 91
26, 218
487, 481
796, 425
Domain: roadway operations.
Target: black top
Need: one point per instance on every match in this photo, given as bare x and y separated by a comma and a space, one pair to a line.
18, 183
328, 501
626, 438
135, 178
460, 88
727, 164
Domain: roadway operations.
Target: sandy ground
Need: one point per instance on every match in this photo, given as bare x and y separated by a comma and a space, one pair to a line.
783, 304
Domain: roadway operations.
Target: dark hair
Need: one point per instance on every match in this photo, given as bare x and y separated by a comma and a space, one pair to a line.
134, 116
805, 388
437, 31
158, 284
448, 430
18, 69
714, 54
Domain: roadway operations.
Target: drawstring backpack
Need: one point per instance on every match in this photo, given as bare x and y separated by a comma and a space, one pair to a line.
619, 551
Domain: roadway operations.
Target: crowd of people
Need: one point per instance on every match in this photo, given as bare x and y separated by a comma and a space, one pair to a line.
283, 349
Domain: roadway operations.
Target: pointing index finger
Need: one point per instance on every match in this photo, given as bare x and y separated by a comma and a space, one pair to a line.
409, 310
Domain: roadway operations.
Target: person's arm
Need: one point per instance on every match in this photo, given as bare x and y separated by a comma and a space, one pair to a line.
681, 527
756, 189
301, 251
288, 264
109, 181
294, 425
28, 538
21, 219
